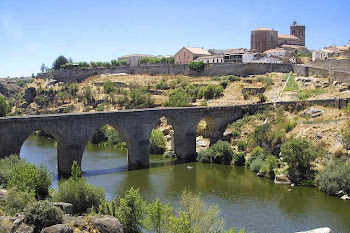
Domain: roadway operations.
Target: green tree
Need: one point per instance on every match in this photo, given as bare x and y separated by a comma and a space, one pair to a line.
157, 142
334, 178
59, 62
29, 178
43, 68
157, 217
108, 86
131, 210
76, 172
196, 65
178, 98
299, 153
4, 108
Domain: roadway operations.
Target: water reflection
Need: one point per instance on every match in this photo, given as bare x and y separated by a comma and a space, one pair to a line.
244, 199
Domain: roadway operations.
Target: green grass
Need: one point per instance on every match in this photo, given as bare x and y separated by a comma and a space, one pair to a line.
292, 85
305, 94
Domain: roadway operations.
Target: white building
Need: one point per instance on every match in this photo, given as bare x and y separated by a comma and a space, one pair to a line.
211, 59
321, 54
267, 60
276, 52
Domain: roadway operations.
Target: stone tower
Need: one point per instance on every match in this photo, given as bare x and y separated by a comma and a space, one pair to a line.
263, 39
298, 31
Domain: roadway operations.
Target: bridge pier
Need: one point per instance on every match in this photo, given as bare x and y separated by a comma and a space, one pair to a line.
185, 145
138, 153
66, 155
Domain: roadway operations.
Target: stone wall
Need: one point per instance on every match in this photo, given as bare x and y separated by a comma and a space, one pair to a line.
240, 69
331, 64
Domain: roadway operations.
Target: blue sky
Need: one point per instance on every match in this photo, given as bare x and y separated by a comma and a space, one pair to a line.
36, 31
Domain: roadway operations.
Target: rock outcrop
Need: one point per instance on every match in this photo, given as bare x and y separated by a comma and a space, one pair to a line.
108, 224
65, 207
59, 228
318, 230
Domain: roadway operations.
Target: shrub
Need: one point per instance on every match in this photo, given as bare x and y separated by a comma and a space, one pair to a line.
59, 62
209, 92
262, 98
334, 178
219, 90
16, 201
7, 166
242, 145
224, 84
80, 194
123, 62
162, 85
27, 177
345, 138
139, 99
42, 214
299, 153
221, 152
157, 217
108, 87
256, 165
290, 125
131, 210
196, 65
178, 98
239, 158
4, 108
157, 142
204, 156
169, 154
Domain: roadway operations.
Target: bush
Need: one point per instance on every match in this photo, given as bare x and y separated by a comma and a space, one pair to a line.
196, 65
108, 87
7, 166
178, 98
139, 99
131, 210
29, 178
290, 125
157, 217
157, 142
334, 178
256, 165
224, 84
242, 145
169, 154
79, 193
262, 98
209, 92
16, 201
59, 62
42, 214
4, 108
162, 85
239, 158
222, 152
299, 153
219, 91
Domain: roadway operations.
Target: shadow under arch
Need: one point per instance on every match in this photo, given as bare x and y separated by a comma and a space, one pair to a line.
115, 151
207, 127
44, 152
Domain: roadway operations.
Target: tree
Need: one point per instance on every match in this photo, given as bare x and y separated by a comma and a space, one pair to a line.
157, 217
299, 153
157, 142
43, 68
59, 62
196, 65
4, 108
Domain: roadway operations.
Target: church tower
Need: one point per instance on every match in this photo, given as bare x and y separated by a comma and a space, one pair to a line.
298, 31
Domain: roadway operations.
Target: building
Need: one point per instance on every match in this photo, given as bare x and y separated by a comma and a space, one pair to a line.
211, 59
188, 54
230, 55
276, 52
332, 51
263, 39
133, 59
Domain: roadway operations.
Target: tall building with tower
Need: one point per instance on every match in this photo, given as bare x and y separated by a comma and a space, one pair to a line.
263, 39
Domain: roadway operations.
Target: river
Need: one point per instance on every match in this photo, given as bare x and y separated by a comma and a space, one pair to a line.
246, 201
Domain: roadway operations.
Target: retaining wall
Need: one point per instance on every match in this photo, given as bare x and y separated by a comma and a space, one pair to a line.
240, 69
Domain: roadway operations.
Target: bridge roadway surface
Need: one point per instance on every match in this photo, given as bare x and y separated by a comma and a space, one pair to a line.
73, 131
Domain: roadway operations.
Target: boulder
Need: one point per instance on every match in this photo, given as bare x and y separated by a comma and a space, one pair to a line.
29, 94
253, 90
318, 230
24, 229
282, 179
75, 221
108, 224
345, 197
65, 207
59, 228
313, 112
325, 84
318, 135
3, 193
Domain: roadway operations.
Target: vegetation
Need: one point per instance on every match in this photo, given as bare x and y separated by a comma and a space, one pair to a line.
156, 60
59, 62
42, 214
196, 65
16, 201
157, 142
292, 85
334, 178
78, 192
221, 153
299, 153
4, 108
306, 94
178, 98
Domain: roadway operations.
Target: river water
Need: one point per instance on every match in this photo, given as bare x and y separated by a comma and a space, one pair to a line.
246, 201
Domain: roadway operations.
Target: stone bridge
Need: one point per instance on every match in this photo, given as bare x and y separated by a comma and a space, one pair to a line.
73, 131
